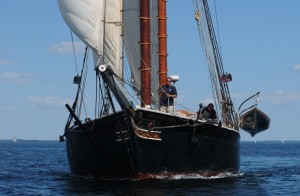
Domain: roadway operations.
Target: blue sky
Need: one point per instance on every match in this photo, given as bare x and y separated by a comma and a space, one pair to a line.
259, 42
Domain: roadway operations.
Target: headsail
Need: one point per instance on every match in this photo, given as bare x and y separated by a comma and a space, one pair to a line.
97, 24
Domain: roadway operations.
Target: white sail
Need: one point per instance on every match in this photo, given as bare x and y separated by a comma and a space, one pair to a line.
97, 24
14, 139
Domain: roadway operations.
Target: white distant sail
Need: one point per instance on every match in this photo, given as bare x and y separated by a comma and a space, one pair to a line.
14, 138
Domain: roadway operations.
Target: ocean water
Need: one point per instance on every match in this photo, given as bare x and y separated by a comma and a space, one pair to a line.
41, 168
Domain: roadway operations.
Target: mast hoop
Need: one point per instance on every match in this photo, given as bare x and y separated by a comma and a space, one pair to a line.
144, 18
145, 69
160, 54
145, 43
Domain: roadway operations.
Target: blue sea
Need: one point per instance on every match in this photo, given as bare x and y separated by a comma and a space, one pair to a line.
41, 168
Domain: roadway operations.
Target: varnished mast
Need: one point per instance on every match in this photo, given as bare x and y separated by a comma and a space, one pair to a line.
145, 53
162, 37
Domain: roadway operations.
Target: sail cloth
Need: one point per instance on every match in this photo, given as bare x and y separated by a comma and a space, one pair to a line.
97, 24
131, 14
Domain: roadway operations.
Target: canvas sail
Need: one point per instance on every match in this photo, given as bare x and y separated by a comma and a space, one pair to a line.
97, 24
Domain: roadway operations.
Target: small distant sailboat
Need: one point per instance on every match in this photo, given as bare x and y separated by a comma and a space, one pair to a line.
14, 139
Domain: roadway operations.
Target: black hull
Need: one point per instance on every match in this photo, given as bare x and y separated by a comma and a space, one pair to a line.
152, 143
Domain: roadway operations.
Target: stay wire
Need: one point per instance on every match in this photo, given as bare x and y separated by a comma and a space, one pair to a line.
83, 81
75, 59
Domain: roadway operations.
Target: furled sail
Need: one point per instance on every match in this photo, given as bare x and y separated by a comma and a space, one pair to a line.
97, 24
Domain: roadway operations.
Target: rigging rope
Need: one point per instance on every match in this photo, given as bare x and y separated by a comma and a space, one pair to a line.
214, 60
207, 53
83, 77
74, 52
218, 27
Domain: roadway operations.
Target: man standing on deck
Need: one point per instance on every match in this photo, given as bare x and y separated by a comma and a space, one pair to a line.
167, 93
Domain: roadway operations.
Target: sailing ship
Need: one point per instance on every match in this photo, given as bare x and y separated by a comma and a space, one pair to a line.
129, 137
14, 139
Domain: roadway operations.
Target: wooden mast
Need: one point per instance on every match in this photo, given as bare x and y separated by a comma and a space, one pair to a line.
162, 38
145, 44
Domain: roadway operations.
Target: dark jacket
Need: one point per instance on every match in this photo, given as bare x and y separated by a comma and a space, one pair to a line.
205, 113
164, 100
